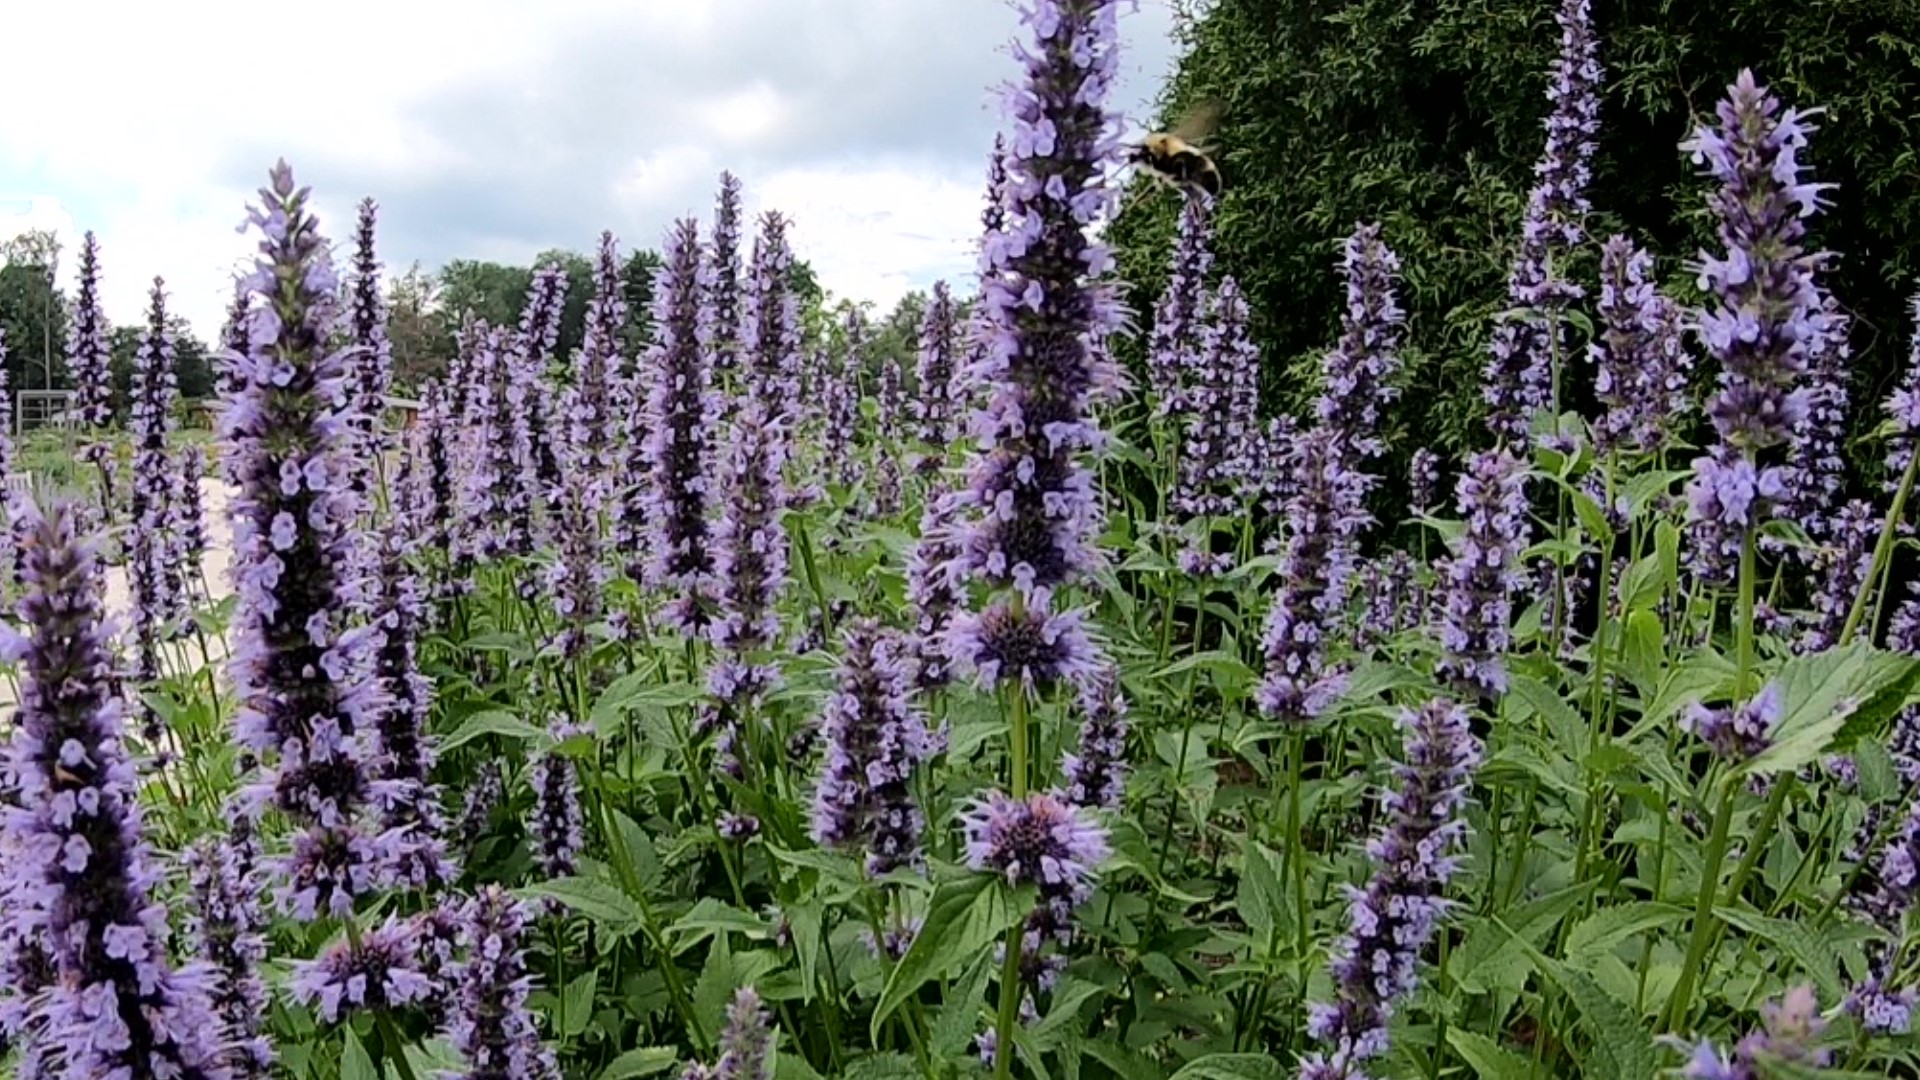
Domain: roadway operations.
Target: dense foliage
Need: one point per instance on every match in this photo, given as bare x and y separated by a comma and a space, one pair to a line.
756, 705
1424, 116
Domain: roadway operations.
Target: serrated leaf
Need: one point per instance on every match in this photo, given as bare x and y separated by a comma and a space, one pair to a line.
1814, 955
709, 917
880, 1067
491, 722
639, 850
603, 903
579, 1002
964, 918
1489, 958
1232, 1067
1261, 904
1620, 1047
1827, 691
355, 1062
1127, 1063
641, 1061
1213, 660
1490, 1060
959, 1015
1600, 932
1643, 654
791, 1066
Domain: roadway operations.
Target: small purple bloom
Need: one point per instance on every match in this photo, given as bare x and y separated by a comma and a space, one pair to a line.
1481, 574
558, 826
491, 1026
380, 971
875, 739
1096, 773
1737, 732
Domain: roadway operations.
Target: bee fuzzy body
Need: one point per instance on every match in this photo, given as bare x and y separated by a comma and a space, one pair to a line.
1180, 163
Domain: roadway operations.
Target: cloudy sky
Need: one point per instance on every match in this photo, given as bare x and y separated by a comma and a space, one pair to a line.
495, 129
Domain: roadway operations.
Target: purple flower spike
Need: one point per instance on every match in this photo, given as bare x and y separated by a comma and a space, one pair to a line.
371, 369
1737, 733
1043, 841
841, 403
1323, 516
933, 591
558, 826
1763, 320
1816, 469
380, 972
746, 1044
1030, 509
1789, 1029
79, 876
771, 334
1097, 773
589, 402
577, 578
1358, 370
1481, 575
720, 287
1395, 915
875, 738
306, 704
1179, 309
1213, 449
228, 931
1640, 365
671, 522
750, 554
1903, 408
153, 574
491, 1026
1423, 480
1519, 373
189, 524
936, 403
88, 367
410, 811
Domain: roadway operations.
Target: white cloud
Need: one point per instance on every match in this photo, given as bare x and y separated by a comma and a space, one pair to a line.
457, 115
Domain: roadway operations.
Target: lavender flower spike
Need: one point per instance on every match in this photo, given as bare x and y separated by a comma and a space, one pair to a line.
720, 285
306, 707
1481, 575
933, 593
875, 738
1394, 916
771, 330
1789, 1029
79, 873
671, 522
1640, 366
1762, 320
1358, 370
1323, 516
598, 364
1097, 772
380, 971
1033, 508
936, 402
558, 826
746, 1044
1045, 841
491, 1026
153, 575
1903, 408
410, 811
576, 578
228, 931
1169, 347
189, 521
1519, 373
372, 366
750, 554
88, 367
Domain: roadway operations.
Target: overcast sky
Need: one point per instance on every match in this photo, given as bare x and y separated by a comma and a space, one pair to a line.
495, 129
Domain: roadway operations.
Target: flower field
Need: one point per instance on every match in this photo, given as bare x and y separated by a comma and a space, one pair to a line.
758, 705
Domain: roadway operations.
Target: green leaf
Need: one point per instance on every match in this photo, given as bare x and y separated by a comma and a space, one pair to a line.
1821, 692
1213, 660
1490, 958
1598, 933
788, 1065
1232, 1067
639, 850
965, 918
579, 1002
355, 1062
1643, 651
1127, 1063
880, 1067
1813, 954
491, 722
1620, 1047
1489, 1059
1261, 904
959, 1015
603, 903
709, 917
641, 1061
498, 641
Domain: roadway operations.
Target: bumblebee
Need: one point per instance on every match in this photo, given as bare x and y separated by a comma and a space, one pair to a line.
1175, 157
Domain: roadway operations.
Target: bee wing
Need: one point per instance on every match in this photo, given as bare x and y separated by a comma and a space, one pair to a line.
1199, 121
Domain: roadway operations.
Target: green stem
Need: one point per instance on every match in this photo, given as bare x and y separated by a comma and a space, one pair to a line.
1882, 550
1704, 922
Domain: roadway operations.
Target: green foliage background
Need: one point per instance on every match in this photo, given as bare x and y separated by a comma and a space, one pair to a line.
1428, 115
